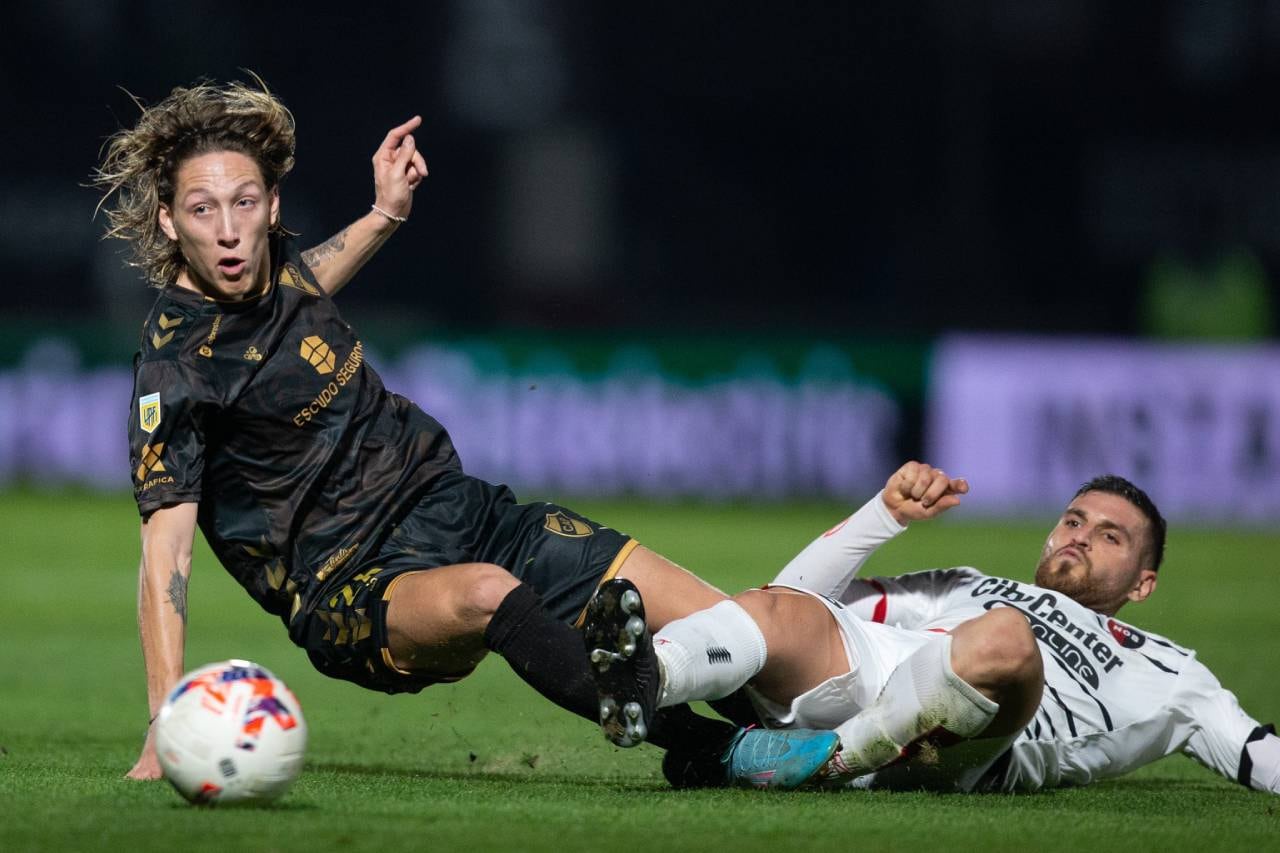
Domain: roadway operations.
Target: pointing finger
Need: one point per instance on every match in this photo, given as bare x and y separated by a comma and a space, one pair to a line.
396, 134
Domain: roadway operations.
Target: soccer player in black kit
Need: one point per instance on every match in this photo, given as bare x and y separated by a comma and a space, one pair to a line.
339, 506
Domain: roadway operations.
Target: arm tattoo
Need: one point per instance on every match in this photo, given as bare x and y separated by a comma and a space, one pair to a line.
326, 250
178, 594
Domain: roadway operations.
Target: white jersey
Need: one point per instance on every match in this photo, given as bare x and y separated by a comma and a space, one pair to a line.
1115, 698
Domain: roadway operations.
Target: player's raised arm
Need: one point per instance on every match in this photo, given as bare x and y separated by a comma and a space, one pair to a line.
398, 168
167, 537
914, 492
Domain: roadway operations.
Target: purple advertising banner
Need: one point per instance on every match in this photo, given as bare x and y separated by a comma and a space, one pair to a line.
1029, 420
631, 431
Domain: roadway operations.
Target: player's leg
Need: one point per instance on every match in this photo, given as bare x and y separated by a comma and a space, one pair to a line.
669, 591
626, 672
997, 653
782, 641
647, 592
444, 620
436, 618
977, 682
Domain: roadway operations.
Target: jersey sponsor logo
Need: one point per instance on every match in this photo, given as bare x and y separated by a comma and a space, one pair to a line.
151, 465
316, 352
291, 276
1130, 638
149, 412
252, 354
330, 392
1080, 650
562, 525
206, 348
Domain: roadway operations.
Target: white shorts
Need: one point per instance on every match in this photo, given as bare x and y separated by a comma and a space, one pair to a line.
874, 651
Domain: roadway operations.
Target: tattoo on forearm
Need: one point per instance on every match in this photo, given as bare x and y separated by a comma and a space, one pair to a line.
178, 594
326, 250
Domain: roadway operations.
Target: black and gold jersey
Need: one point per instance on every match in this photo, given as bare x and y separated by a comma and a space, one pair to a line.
265, 413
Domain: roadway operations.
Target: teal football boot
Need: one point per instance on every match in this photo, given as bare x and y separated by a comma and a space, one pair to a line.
778, 758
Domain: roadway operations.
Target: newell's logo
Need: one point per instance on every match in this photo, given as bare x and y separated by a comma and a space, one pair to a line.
149, 412
562, 525
317, 354
1130, 638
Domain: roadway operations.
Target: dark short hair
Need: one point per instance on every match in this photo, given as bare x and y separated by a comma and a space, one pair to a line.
1112, 484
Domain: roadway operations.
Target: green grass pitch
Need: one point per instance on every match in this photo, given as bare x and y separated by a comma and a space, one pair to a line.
488, 765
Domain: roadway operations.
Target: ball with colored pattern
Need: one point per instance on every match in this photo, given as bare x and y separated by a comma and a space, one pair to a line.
231, 732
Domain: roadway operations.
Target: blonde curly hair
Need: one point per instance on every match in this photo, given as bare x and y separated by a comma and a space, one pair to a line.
138, 169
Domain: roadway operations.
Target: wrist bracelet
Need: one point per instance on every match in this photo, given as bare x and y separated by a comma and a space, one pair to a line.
390, 216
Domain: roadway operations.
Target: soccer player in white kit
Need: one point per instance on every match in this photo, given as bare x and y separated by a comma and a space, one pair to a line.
1097, 698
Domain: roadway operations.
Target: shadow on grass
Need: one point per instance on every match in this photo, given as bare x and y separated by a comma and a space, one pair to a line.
483, 776
282, 806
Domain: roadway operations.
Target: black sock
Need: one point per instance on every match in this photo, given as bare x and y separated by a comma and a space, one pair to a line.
679, 728
545, 652
737, 707
550, 657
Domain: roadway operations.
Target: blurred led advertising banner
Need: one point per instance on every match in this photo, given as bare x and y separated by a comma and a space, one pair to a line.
815, 429
1030, 420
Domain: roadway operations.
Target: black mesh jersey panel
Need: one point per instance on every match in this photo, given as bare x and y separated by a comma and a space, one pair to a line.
266, 414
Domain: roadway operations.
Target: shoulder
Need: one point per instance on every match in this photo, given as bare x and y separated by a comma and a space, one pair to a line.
173, 354
955, 576
292, 270
167, 332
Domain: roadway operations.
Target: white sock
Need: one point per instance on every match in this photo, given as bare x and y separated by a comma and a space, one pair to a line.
708, 654
922, 695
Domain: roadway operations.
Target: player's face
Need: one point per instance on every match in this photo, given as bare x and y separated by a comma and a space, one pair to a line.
220, 216
1097, 553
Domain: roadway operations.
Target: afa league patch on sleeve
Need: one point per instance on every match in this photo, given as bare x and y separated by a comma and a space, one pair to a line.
149, 412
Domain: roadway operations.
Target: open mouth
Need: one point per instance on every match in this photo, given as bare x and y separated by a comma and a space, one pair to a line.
231, 267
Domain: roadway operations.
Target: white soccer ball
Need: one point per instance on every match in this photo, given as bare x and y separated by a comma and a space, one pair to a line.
231, 732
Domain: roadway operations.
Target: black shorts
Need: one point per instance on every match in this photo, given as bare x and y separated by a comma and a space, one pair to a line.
562, 555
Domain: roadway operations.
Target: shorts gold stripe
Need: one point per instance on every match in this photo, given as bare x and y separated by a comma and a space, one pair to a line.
386, 596
614, 567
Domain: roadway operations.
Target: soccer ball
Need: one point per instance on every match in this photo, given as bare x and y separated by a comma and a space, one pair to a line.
231, 732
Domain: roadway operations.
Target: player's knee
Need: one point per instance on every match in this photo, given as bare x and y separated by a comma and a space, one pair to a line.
761, 605
1000, 650
487, 585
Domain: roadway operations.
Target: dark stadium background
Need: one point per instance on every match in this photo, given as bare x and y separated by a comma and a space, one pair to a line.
878, 166
723, 175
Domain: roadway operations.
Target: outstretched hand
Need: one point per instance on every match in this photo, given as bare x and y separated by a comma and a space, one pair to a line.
917, 491
398, 168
